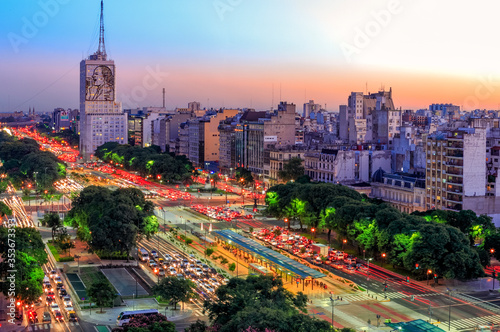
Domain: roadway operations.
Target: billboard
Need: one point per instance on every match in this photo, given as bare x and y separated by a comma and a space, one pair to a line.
268, 139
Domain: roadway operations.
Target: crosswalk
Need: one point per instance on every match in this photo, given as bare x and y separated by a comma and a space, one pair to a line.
41, 327
468, 323
378, 296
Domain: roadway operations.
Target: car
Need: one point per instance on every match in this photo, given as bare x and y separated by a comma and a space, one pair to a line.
51, 294
70, 308
49, 301
53, 274
59, 316
198, 271
161, 272
199, 263
62, 293
205, 267
151, 262
214, 282
72, 316
54, 306
173, 271
32, 316
46, 317
167, 257
58, 279
59, 285
180, 276
48, 288
154, 254
213, 271
67, 301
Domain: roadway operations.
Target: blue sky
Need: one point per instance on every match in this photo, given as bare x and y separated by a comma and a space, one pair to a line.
232, 52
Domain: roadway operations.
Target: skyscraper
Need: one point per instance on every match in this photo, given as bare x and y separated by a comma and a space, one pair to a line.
102, 118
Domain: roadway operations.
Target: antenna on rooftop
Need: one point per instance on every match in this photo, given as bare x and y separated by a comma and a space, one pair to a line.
102, 47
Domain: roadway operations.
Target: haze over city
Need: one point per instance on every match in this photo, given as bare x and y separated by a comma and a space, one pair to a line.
229, 53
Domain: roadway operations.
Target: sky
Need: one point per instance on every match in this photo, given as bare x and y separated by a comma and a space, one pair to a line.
253, 53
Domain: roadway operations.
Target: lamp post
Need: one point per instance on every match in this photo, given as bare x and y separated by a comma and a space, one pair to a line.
383, 258
493, 274
332, 301
428, 272
313, 230
78, 260
412, 298
343, 243
369, 259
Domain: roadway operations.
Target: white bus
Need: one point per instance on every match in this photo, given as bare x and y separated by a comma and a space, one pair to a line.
143, 254
124, 316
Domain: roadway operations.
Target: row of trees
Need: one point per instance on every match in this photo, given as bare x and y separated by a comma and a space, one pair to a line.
441, 241
23, 251
147, 161
23, 160
112, 221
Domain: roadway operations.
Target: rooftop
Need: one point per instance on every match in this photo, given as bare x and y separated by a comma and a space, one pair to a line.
269, 254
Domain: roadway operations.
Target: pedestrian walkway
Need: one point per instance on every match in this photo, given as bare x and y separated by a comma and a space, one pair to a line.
39, 327
469, 323
379, 296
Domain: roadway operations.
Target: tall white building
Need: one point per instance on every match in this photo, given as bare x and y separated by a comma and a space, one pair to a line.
101, 117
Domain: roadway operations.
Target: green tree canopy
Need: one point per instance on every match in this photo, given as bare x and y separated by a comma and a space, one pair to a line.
260, 302
292, 170
112, 220
175, 290
102, 293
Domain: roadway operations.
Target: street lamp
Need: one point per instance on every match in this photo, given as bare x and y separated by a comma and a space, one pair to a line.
369, 259
78, 260
428, 272
332, 301
383, 257
313, 230
412, 298
343, 243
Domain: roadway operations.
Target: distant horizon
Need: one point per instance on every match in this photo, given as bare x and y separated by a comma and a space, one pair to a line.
231, 53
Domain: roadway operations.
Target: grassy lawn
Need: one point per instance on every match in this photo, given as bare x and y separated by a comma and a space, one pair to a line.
59, 255
90, 275
54, 252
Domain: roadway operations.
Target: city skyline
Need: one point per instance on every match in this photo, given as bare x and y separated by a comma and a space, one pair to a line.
241, 54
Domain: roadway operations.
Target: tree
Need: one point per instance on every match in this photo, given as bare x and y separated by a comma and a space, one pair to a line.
198, 326
232, 267
243, 176
258, 303
209, 251
4, 209
102, 293
53, 221
292, 170
175, 290
112, 221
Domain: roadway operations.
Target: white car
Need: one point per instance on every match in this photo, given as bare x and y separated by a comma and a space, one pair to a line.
54, 307
198, 271
173, 271
67, 301
70, 308
53, 274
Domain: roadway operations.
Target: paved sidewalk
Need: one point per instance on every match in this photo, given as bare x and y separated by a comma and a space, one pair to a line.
109, 315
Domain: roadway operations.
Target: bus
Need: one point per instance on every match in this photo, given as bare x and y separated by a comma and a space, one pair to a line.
143, 254
124, 316
256, 269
